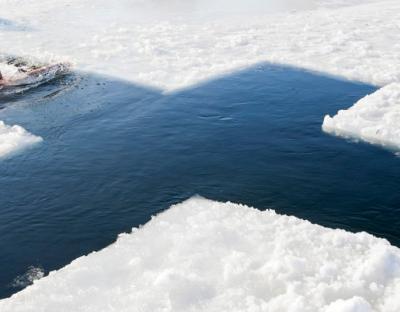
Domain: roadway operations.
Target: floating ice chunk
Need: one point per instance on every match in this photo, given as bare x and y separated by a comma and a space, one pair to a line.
203, 255
14, 139
374, 119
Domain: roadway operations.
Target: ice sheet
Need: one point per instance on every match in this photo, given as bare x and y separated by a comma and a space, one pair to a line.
203, 255
374, 119
14, 139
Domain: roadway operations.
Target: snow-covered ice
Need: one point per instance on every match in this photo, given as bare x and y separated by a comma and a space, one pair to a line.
14, 139
176, 44
375, 118
176, 51
203, 255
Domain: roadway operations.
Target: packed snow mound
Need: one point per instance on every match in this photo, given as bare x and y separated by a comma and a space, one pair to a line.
202, 255
374, 119
14, 139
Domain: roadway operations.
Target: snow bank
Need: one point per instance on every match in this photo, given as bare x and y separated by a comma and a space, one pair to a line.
203, 255
374, 119
14, 139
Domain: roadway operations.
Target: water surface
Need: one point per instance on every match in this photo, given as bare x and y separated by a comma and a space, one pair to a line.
116, 153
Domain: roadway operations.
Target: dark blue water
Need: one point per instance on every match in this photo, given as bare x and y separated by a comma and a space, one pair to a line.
116, 153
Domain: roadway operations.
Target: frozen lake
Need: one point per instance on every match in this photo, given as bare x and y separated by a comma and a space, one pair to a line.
115, 153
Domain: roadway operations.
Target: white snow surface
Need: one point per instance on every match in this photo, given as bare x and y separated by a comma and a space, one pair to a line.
175, 44
375, 118
14, 139
202, 255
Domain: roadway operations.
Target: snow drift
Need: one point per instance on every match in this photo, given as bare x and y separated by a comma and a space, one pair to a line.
203, 255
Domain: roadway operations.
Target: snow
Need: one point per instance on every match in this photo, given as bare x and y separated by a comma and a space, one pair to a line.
14, 139
355, 304
203, 255
374, 119
179, 50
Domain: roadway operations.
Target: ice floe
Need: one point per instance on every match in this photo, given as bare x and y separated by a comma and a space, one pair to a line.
173, 51
176, 45
375, 118
179, 44
203, 255
14, 139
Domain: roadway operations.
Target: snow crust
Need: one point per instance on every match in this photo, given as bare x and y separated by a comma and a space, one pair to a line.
203, 255
375, 118
14, 139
